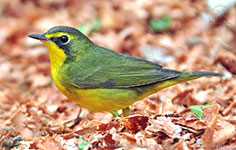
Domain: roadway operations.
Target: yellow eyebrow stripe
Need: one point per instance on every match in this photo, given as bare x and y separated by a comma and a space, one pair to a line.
58, 34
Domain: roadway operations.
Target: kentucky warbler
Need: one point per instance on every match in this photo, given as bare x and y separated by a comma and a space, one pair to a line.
100, 79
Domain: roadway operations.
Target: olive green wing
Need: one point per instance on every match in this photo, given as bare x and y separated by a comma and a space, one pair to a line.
108, 69
125, 77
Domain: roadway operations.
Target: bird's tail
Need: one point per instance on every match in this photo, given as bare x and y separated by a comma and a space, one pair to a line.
183, 76
194, 75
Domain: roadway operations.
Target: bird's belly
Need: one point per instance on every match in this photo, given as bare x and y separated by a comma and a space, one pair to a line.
101, 100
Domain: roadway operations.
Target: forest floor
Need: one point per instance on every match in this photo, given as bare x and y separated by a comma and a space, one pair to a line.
181, 35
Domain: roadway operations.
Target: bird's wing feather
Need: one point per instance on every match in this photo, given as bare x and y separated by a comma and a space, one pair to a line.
120, 71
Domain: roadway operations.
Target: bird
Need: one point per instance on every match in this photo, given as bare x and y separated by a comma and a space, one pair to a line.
100, 79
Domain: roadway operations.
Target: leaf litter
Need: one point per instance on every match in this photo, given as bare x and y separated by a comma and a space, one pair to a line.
33, 113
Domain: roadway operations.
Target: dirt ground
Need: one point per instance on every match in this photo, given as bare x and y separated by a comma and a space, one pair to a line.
33, 113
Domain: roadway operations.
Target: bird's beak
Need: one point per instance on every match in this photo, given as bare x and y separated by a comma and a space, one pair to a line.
41, 37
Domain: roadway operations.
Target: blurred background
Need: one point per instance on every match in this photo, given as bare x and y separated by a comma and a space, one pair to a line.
183, 35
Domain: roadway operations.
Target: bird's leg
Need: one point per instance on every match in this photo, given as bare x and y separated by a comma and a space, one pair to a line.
65, 124
125, 111
77, 119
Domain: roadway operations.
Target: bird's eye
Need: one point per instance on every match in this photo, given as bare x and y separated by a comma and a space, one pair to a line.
64, 39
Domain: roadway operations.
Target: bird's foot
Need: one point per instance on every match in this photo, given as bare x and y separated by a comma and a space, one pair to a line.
125, 112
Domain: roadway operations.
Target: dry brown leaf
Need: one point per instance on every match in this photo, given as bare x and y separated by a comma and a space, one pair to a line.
31, 104
19, 126
229, 108
135, 124
228, 60
185, 98
49, 143
208, 136
165, 125
223, 133
209, 113
192, 123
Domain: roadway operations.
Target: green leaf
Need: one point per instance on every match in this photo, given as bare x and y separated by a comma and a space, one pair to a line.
89, 27
197, 110
160, 24
84, 144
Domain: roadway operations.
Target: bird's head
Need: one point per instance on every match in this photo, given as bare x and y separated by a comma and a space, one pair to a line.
63, 43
